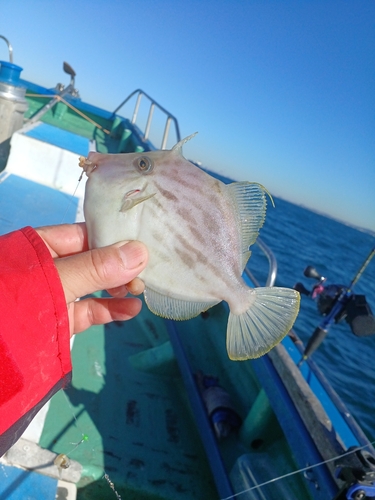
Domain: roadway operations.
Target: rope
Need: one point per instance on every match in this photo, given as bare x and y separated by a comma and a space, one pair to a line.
59, 98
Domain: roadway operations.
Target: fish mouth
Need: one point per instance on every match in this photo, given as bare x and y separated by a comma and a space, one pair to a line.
87, 165
133, 198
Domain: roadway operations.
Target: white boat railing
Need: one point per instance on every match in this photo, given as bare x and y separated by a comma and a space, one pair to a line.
153, 104
10, 48
272, 269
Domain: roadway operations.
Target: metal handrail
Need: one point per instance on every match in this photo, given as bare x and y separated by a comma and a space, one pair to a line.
271, 278
10, 48
153, 103
272, 271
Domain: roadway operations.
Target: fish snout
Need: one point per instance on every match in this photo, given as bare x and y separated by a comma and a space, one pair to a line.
87, 164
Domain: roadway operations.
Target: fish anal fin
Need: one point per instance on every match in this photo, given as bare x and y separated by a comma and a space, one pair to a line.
271, 315
172, 308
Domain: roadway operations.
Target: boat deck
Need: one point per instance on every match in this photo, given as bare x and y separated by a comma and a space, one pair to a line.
133, 416
27, 203
127, 395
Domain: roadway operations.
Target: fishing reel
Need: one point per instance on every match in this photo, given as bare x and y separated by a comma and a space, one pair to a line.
357, 471
353, 308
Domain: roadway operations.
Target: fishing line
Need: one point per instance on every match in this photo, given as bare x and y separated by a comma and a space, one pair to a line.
112, 486
84, 436
62, 461
258, 486
70, 200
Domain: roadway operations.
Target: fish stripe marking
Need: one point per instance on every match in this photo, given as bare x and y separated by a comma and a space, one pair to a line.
167, 194
186, 258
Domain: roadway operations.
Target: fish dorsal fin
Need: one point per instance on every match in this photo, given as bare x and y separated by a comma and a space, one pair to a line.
178, 147
249, 199
172, 308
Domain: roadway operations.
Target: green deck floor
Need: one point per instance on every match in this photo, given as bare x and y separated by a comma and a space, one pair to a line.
139, 427
138, 421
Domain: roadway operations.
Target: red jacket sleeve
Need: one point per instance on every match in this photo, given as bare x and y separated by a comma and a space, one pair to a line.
34, 332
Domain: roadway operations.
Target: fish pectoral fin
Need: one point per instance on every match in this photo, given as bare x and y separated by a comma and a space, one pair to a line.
266, 322
133, 198
172, 308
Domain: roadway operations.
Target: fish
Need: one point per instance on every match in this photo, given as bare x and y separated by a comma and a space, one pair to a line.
198, 231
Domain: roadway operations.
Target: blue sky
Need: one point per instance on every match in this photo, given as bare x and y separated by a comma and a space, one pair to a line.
281, 92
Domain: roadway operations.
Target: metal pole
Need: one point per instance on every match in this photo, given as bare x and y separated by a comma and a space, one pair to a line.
10, 48
362, 268
50, 104
271, 260
166, 132
149, 119
135, 113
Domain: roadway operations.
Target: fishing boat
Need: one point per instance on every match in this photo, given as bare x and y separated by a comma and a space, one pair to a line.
156, 409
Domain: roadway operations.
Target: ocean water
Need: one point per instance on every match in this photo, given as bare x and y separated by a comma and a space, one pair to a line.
299, 237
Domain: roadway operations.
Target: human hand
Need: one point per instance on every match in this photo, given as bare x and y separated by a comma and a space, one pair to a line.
82, 271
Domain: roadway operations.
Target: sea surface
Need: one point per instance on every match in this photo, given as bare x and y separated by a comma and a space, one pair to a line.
299, 237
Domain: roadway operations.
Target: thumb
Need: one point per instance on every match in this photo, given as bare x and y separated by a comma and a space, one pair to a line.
101, 268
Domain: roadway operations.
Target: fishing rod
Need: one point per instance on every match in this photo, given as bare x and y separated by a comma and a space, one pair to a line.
337, 302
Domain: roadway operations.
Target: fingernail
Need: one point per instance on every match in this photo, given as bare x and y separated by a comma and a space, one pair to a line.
133, 254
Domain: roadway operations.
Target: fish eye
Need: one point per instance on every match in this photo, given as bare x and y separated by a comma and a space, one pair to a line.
144, 164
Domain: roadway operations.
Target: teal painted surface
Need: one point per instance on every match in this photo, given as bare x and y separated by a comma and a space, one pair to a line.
139, 425
127, 396
260, 425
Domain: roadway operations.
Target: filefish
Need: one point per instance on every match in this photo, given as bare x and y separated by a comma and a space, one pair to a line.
198, 231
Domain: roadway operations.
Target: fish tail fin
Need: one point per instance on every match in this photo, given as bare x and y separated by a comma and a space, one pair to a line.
264, 324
